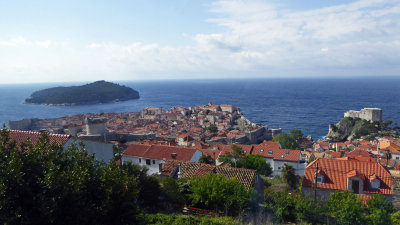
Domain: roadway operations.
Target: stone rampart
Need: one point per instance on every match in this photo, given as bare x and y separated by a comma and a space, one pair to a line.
370, 114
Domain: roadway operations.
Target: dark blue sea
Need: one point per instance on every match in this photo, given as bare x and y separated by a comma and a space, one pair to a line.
306, 104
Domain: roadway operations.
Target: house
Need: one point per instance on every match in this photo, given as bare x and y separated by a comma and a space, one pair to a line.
247, 177
362, 177
278, 157
185, 140
155, 156
100, 150
392, 146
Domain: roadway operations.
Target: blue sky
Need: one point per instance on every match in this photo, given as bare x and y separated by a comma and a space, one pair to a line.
58, 41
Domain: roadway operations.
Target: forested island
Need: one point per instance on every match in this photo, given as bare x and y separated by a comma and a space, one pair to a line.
94, 93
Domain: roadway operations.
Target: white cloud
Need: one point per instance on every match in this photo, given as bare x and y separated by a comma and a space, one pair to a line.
257, 38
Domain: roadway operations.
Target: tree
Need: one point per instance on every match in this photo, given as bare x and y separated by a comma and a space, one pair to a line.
310, 211
216, 191
388, 155
289, 176
284, 206
297, 135
255, 162
44, 183
232, 157
380, 209
207, 159
171, 191
149, 186
395, 217
285, 141
346, 208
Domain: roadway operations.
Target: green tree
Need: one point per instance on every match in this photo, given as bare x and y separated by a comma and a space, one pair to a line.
395, 217
297, 135
286, 141
284, 206
289, 176
46, 184
255, 162
149, 186
346, 208
216, 191
171, 191
207, 159
380, 209
233, 157
309, 211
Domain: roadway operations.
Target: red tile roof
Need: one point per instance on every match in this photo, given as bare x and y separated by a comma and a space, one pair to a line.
192, 169
337, 170
169, 167
360, 153
272, 150
159, 152
21, 136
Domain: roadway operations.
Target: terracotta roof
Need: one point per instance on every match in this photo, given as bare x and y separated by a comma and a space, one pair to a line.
193, 169
169, 167
334, 154
272, 150
244, 176
21, 136
159, 152
228, 148
337, 171
360, 153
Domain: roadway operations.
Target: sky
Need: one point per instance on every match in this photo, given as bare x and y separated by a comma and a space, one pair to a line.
75, 40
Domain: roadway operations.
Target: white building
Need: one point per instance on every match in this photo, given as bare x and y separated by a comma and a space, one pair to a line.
278, 157
100, 150
154, 156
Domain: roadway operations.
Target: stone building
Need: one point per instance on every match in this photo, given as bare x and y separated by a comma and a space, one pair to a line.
370, 114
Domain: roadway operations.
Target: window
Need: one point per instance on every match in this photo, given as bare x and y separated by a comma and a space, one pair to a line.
244, 152
140, 160
147, 161
282, 156
287, 152
320, 179
269, 152
262, 150
397, 157
375, 184
154, 161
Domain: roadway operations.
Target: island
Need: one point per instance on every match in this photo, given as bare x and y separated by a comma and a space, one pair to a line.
94, 93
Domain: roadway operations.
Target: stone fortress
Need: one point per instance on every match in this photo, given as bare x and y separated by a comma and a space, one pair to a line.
370, 114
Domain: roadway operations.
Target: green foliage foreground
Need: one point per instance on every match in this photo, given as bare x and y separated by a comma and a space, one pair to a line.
162, 219
44, 184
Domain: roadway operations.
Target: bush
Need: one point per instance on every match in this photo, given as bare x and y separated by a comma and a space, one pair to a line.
162, 219
216, 191
46, 184
346, 208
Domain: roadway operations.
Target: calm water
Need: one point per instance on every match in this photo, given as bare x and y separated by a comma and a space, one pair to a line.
306, 104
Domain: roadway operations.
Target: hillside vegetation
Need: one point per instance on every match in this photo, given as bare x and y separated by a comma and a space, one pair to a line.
93, 93
353, 128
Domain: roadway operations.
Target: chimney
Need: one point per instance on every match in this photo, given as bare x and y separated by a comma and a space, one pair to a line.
173, 155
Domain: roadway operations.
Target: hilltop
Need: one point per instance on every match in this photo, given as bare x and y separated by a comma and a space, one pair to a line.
94, 93
354, 128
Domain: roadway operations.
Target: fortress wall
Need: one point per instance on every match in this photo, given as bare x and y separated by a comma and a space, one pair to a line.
370, 114
352, 113
95, 128
24, 124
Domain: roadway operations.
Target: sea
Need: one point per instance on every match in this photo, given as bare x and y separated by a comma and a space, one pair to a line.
309, 104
